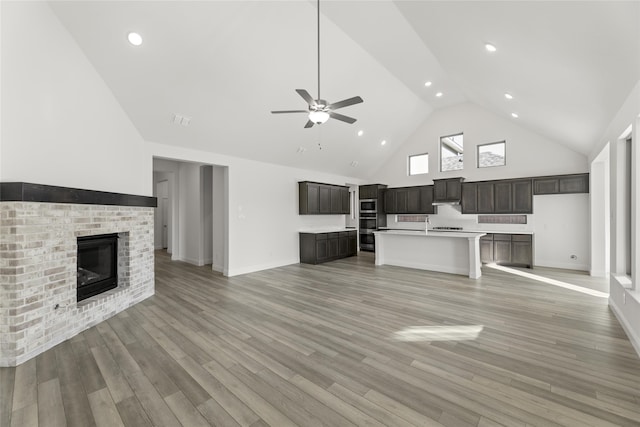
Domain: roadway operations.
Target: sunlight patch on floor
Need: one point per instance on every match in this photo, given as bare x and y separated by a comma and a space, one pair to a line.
438, 333
548, 281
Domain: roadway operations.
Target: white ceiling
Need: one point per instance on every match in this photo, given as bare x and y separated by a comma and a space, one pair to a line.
227, 64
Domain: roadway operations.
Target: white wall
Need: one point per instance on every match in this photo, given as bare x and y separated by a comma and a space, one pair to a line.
624, 299
61, 125
600, 208
219, 217
161, 191
206, 215
189, 206
561, 229
527, 153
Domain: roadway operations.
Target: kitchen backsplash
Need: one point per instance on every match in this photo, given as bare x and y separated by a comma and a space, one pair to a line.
450, 216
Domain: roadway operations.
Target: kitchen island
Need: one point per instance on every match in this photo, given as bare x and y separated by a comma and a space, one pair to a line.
456, 252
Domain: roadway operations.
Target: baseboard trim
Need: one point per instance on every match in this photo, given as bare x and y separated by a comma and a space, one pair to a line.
563, 265
260, 267
598, 273
191, 261
633, 338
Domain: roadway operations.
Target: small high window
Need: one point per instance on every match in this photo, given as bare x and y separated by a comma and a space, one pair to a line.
451, 153
419, 164
492, 154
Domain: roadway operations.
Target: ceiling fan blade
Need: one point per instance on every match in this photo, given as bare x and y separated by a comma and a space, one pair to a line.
342, 118
289, 111
345, 103
305, 95
309, 124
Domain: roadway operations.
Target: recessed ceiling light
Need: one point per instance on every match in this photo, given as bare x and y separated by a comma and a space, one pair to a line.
384, 141
135, 39
427, 84
360, 132
514, 115
490, 47
508, 96
439, 94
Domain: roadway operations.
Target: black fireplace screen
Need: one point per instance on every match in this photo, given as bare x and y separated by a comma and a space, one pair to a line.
97, 264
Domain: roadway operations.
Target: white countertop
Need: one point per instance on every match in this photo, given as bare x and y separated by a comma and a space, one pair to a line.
466, 230
503, 231
431, 233
326, 230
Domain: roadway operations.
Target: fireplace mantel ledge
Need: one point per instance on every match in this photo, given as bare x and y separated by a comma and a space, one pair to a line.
27, 192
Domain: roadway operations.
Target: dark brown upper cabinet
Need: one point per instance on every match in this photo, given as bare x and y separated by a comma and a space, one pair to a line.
522, 193
503, 197
447, 190
561, 184
477, 197
409, 200
371, 191
426, 200
325, 200
513, 196
322, 199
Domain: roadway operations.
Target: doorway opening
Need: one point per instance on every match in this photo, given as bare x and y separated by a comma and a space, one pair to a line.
191, 221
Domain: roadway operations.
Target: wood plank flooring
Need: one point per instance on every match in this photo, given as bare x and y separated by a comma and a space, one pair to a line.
338, 344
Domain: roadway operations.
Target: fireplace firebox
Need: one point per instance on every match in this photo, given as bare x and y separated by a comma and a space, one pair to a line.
97, 264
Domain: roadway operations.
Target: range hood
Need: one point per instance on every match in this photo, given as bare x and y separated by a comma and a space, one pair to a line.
447, 191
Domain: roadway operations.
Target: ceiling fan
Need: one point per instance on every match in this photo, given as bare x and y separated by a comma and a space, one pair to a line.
319, 110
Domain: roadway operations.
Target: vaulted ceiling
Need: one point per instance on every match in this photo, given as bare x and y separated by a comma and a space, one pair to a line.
227, 64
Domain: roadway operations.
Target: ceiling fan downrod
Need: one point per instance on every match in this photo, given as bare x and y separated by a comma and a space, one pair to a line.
318, 5
319, 110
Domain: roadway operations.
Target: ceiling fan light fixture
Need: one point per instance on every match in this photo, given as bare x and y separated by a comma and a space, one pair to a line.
318, 117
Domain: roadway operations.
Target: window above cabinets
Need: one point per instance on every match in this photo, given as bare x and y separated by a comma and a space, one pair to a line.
492, 154
418, 164
451, 152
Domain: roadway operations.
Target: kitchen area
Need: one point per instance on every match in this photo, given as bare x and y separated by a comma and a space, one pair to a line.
451, 226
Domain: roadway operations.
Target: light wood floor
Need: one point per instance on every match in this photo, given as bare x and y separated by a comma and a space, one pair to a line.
338, 344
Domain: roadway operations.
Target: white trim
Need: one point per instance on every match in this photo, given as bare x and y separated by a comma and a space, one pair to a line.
624, 281
598, 273
260, 267
191, 261
633, 338
563, 265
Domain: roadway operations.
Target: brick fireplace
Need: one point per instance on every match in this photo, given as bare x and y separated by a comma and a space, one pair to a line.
39, 231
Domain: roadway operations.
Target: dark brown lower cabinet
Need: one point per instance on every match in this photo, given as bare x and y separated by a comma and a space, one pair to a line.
502, 249
507, 249
316, 248
486, 248
521, 250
